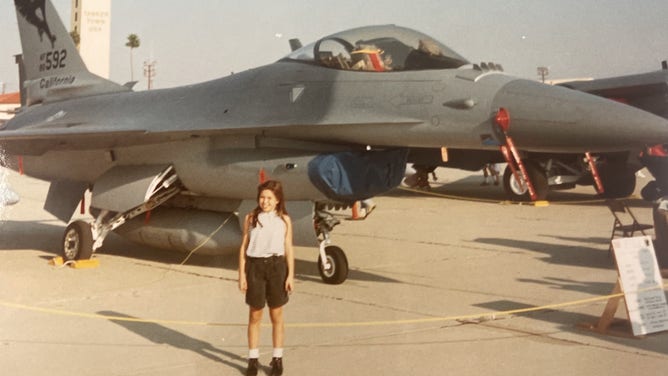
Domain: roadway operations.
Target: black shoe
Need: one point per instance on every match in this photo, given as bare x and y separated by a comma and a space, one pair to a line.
276, 366
253, 365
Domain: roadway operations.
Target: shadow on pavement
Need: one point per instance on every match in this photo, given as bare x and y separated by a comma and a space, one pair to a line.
570, 321
162, 335
469, 188
47, 236
40, 235
558, 254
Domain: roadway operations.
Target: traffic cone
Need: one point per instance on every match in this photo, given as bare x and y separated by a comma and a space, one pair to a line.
358, 211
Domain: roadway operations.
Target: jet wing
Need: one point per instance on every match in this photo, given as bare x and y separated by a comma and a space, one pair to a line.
36, 141
646, 91
624, 87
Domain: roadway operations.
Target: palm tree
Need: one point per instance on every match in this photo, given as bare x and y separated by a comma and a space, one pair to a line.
133, 42
76, 38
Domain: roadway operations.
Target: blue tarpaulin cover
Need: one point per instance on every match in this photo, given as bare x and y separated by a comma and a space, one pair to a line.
353, 176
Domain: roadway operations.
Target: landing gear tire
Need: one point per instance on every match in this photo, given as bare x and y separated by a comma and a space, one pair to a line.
78, 241
520, 192
618, 185
338, 271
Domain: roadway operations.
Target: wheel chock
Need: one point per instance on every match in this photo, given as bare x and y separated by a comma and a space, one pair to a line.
541, 203
79, 264
86, 264
56, 261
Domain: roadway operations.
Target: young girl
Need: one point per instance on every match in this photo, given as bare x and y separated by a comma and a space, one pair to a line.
266, 270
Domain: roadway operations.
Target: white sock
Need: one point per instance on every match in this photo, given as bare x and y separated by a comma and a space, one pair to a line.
278, 352
253, 353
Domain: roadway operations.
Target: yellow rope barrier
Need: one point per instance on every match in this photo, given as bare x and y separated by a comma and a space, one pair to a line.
481, 317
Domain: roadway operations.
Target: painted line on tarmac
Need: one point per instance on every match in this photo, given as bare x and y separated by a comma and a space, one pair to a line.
478, 317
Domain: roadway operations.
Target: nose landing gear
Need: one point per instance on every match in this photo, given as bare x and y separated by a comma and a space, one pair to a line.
332, 261
333, 267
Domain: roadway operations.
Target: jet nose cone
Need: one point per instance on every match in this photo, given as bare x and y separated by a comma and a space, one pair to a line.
553, 118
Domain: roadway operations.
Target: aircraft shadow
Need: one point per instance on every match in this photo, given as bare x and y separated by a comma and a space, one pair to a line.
591, 240
470, 189
159, 334
304, 270
571, 322
597, 288
558, 254
41, 235
46, 236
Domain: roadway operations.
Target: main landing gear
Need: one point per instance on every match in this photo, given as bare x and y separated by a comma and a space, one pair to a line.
332, 261
82, 238
78, 241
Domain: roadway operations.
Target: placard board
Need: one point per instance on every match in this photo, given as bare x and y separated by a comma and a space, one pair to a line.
642, 284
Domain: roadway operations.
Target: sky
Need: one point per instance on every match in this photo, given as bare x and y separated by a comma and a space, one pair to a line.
195, 41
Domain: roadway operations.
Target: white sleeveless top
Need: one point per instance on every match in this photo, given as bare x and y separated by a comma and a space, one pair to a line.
268, 237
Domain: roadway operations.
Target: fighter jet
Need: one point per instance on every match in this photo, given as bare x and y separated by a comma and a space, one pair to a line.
334, 121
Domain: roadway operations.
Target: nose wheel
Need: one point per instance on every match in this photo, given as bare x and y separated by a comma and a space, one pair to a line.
518, 190
332, 261
333, 267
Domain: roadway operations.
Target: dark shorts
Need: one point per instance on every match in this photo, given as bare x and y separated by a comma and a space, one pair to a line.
266, 281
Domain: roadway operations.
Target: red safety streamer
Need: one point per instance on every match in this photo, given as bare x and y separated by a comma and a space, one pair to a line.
262, 176
20, 158
595, 174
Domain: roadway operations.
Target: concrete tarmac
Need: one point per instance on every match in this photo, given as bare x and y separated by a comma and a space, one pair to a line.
429, 277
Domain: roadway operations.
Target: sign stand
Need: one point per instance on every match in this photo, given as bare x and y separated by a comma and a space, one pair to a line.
640, 285
607, 320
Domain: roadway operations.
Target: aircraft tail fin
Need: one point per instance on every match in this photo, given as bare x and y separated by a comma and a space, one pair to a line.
54, 70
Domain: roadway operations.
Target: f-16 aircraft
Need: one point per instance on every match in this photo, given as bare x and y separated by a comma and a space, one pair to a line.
334, 121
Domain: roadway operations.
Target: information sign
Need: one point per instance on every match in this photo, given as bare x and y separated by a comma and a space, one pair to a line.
642, 284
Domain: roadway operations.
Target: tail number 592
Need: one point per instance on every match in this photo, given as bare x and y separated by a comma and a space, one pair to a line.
52, 60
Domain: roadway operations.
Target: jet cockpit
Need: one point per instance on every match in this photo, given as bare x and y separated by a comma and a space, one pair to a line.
384, 48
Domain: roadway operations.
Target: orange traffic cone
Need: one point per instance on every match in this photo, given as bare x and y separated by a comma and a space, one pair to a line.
358, 211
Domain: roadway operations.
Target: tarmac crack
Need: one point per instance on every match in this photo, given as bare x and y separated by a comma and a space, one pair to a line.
496, 251
551, 337
171, 268
367, 304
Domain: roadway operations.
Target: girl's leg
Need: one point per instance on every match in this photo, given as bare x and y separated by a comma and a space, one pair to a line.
254, 320
277, 325
277, 333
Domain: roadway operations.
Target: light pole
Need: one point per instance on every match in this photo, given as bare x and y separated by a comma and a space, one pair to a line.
149, 72
543, 72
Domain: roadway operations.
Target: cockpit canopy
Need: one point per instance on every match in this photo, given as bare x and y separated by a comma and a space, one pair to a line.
379, 49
